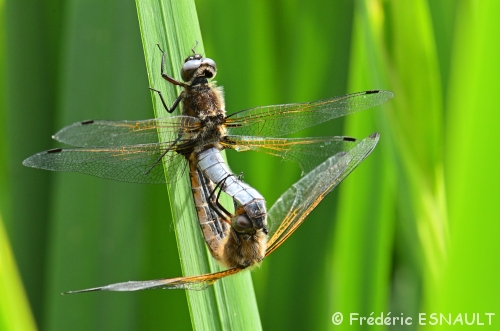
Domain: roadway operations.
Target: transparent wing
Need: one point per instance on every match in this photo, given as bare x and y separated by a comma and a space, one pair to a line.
186, 283
136, 163
291, 209
123, 133
280, 120
307, 152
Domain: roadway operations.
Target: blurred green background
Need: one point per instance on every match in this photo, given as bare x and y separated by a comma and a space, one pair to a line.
413, 230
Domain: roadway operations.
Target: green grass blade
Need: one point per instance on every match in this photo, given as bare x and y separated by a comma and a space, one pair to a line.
390, 39
15, 311
470, 281
417, 128
230, 303
22, 21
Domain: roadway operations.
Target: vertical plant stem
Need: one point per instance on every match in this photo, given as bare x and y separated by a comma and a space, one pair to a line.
230, 303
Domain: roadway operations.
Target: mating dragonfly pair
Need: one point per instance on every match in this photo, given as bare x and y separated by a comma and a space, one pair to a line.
132, 151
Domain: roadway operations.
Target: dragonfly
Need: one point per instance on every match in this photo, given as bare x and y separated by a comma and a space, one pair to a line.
131, 151
288, 213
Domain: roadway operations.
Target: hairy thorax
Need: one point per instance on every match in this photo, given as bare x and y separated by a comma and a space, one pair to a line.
244, 251
206, 102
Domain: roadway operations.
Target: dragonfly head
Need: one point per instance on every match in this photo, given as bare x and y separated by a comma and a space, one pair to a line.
196, 66
245, 246
242, 224
250, 218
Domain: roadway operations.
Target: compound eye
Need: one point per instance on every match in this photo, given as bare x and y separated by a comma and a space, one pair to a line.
210, 62
191, 65
242, 223
189, 68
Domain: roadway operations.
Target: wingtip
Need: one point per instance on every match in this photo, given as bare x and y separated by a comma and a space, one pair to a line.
94, 289
28, 162
57, 136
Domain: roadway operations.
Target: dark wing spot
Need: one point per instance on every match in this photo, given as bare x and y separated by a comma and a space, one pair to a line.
349, 139
87, 122
372, 92
55, 150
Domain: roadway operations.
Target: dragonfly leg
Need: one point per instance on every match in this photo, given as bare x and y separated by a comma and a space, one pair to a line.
208, 192
164, 74
219, 209
169, 148
215, 204
174, 105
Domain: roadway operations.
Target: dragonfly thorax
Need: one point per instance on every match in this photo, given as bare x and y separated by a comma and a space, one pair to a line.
203, 101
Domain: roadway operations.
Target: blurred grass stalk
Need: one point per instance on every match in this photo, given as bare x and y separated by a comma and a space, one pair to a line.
431, 163
470, 279
418, 133
230, 304
409, 167
15, 313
